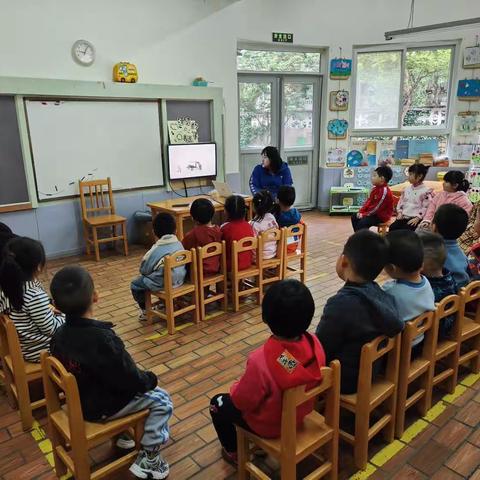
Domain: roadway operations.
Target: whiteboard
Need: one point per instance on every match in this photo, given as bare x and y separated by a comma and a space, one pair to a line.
75, 140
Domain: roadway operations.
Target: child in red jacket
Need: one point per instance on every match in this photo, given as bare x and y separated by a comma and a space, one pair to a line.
379, 206
289, 358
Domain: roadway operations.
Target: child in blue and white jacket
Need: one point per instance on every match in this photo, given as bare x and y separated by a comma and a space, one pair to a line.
152, 266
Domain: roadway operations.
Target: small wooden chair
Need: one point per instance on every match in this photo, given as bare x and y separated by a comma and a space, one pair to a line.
418, 369
300, 231
19, 374
169, 295
248, 281
72, 437
371, 393
272, 268
447, 350
98, 211
470, 327
218, 280
296, 444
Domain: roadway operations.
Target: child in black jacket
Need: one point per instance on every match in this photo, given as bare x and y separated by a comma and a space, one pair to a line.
361, 310
110, 384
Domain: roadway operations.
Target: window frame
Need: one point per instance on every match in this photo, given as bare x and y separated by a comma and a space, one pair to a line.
409, 130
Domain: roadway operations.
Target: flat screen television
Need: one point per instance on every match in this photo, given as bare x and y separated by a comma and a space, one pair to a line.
192, 160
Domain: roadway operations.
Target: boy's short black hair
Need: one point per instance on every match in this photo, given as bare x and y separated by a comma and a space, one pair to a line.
202, 210
286, 195
288, 308
434, 249
450, 221
385, 172
235, 207
368, 254
72, 290
405, 250
164, 224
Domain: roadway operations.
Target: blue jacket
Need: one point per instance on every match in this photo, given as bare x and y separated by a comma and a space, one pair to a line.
290, 217
262, 179
153, 262
457, 263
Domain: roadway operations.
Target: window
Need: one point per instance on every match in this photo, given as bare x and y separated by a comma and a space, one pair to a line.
274, 61
405, 89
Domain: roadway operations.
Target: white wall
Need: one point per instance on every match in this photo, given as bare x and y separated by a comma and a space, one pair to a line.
172, 41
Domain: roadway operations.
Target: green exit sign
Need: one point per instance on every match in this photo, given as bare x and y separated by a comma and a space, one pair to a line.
282, 37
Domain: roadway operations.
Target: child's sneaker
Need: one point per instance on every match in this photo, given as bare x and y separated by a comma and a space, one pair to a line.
125, 442
143, 315
150, 464
230, 457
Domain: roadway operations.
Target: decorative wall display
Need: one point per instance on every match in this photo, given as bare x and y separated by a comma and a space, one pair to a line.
461, 152
467, 123
363, 153
125, 72
401, 149
339, 101
471, 57
362, 176
386, 152
336, 157
469, 89
183, 130
340, 68
337, 129
417, 147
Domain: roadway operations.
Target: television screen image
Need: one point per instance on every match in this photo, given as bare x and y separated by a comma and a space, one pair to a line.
192, 160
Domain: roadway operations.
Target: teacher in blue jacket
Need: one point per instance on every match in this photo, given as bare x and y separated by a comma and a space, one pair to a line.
271, 174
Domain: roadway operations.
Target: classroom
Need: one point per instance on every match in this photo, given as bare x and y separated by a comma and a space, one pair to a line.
240, 239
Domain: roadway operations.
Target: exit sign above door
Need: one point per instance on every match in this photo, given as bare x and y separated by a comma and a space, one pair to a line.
282, 37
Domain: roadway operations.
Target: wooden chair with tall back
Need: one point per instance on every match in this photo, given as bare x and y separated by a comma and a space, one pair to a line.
72, 437
272, 268
249, 281
296, 234
371, 393
415, 371
19, 374
470, 326
98, 211
171, 295
295, 444
447, 349
217, 280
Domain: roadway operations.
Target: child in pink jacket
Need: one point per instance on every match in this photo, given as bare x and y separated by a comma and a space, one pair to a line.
455, 187
289, 358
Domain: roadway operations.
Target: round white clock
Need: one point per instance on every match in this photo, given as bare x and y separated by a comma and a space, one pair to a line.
83, 52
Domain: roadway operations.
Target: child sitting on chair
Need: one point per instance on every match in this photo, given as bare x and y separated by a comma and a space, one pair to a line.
360, 311
264, 220
109, 383
450, 221
289, 358
288, 215
441, 280
379, 206
236, 228
202, 212
23, 298
152, 266
409, 287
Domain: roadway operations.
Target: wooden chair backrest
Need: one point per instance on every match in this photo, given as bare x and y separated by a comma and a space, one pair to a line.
471, 293
371, 352
177, 259
298, 230
329, 387
246, 244
10, 345
272, 235
57, 380
422, 324
449, 306
96, 197
214, 249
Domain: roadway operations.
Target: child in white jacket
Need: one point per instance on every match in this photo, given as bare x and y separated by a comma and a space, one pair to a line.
264, 220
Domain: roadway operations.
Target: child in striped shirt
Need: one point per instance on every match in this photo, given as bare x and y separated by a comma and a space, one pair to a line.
23, 298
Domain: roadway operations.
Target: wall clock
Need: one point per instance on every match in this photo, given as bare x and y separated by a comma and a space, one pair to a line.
83, 52
337, 129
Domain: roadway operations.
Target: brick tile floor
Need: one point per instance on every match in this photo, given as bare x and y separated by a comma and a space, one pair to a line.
202, 360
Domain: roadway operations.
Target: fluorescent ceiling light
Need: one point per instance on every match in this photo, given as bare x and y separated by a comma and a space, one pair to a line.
428, 28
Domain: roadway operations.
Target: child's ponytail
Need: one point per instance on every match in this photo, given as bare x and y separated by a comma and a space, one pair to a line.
456, 177
262, 204
21, 259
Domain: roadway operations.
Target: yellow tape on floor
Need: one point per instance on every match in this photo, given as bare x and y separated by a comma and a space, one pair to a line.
164, 331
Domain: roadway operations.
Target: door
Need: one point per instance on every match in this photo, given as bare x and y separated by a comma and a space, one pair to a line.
283, 111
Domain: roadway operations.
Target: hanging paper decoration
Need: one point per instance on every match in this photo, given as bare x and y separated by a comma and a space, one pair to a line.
469, 89
336, 157
337, 129
340, 68
471, 57
467, 123
339, 100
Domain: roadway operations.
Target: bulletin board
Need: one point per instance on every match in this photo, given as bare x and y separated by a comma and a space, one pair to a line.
361, 176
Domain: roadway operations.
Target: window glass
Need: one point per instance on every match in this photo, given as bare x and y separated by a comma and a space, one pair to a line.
271, 61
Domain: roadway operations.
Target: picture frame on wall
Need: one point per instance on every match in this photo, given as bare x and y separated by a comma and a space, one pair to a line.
338, 101
340, 68
471, 57
337, 129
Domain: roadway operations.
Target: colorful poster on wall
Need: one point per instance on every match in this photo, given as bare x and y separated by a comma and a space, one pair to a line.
336, 157
363, 153
183, 130
340, 68
461, 152
386, 152
401, 149
471, 57
469, 89
467, 123
418, 147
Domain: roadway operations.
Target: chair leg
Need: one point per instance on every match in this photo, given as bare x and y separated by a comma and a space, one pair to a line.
87, 239
389, 431
235, 297
242, 452
401, 404
95, 244
125, 240
288, 468
82, 465
361, 440
57, 441
169, 310
196, 312
201, 304
148, 305
475, 363
24, 405
303, 266
260, 289
453, 364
